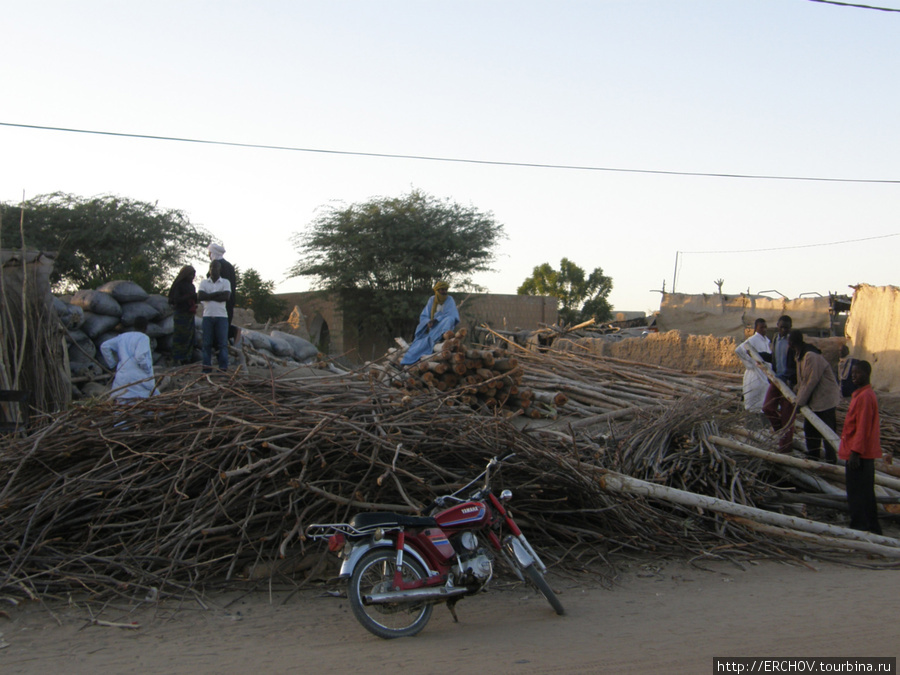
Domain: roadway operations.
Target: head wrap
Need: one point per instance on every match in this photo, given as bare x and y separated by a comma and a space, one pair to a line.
216, 251
438, 300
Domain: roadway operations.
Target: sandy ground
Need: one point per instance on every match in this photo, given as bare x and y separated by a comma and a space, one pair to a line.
665, 617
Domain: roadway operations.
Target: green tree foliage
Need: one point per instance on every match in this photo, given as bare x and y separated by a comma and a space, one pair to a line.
98, 239
383, 256
259, 295
581, 298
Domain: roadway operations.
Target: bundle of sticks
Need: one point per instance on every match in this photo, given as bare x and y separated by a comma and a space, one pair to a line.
207, 484
488, 378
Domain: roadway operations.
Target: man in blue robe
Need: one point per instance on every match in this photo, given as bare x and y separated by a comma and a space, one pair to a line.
439, 316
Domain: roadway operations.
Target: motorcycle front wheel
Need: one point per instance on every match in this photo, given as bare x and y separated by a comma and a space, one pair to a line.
375, 574
536, 579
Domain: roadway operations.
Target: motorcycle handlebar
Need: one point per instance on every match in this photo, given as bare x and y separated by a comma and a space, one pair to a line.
443, 500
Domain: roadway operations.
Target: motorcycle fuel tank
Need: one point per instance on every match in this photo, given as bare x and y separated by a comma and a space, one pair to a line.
467, 514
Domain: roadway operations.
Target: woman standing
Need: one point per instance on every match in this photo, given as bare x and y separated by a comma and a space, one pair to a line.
183, 298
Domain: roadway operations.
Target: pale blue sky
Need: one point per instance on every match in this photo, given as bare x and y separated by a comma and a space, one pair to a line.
762, 87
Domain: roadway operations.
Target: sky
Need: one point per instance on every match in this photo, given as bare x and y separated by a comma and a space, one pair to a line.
613, 133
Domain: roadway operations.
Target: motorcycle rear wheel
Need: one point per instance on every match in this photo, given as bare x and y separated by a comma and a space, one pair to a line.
534, 576
375, 574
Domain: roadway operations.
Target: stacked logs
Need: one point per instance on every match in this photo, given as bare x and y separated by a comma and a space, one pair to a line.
487, 378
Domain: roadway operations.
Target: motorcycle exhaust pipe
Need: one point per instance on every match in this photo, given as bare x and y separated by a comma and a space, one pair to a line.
416, 595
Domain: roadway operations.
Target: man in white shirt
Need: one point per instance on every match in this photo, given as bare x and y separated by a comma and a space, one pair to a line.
214, 293
756, 384
131, 356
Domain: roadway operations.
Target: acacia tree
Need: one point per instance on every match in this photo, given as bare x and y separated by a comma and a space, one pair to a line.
384, 255
580, 297
98, 239
259, 295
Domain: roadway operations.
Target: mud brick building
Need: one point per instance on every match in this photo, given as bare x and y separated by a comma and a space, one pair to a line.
337, 335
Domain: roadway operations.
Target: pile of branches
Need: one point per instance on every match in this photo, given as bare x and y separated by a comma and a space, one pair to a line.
206, 484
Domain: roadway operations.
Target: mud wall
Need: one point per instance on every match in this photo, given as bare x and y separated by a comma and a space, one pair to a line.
672, 349
681, 351
728, 315
873, 330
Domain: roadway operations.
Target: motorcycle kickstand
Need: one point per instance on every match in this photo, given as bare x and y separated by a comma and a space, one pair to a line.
451, 605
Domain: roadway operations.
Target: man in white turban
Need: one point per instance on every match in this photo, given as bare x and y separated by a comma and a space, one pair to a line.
439, 316
226, 270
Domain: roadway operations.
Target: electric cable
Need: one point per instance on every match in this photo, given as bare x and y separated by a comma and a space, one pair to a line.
459, 160
856, 6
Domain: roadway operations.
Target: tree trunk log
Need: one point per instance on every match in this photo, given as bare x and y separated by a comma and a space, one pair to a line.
626, 485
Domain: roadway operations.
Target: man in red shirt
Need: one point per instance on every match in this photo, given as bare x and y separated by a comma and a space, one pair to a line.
861, 446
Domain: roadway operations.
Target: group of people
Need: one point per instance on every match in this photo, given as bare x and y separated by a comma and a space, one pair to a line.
800, 366
130, 353
217, 294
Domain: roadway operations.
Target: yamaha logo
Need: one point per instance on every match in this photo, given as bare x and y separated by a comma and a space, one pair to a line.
470, 509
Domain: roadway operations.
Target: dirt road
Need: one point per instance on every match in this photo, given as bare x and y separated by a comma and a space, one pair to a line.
663, 617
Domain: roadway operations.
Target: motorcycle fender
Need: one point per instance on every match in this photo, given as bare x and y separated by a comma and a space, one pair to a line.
358, 551
519, 553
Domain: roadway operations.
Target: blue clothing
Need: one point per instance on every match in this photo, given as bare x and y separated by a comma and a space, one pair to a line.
783, 361
215, 331
446, 318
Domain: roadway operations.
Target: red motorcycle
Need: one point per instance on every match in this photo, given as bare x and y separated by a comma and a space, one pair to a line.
400, 566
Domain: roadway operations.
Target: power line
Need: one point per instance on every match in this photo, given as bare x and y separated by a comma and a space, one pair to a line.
787, 248
852, 4
459, 160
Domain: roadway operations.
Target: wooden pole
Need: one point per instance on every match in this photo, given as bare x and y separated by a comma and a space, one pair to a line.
619, 483
796, 462
827, 432
886, 551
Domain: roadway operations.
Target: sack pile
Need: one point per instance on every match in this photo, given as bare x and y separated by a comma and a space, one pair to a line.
91, 317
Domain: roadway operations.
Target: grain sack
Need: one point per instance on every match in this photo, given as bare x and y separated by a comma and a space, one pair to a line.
81, 347
132, 310
97, 303
255, 339
124, 291
161, 304
281, 347
161, 327
302, 350
97, 324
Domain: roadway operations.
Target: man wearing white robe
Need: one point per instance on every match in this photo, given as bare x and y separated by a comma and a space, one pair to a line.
756, 384
131, 356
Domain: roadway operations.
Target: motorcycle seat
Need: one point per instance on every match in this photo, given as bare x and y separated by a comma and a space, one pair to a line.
368, 521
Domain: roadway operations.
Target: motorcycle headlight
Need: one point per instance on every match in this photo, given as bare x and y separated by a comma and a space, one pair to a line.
506, 495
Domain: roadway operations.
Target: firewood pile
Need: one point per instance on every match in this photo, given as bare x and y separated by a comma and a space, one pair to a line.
486, 378
215, 482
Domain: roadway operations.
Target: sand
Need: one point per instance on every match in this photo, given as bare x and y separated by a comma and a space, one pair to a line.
660, 617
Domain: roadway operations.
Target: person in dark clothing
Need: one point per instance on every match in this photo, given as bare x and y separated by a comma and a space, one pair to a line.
861, 446
183, 299
226, 269
845, 368
777, 409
